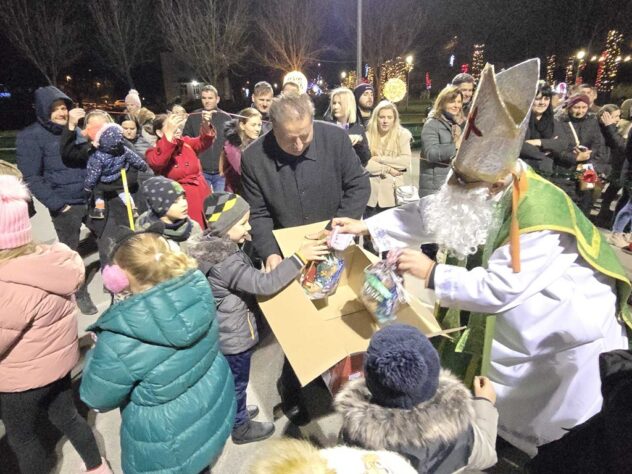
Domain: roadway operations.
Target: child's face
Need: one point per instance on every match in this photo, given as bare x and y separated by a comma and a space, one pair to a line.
240, 231
179, 210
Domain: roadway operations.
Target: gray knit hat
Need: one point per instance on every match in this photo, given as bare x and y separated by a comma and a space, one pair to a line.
161, 193
223, 211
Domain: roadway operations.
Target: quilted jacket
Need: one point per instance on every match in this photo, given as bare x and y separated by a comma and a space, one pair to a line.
157, 357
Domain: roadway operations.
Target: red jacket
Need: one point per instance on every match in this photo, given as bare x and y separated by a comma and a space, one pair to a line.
179, 161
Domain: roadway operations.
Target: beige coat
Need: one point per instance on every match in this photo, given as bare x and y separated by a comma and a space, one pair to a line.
383, 184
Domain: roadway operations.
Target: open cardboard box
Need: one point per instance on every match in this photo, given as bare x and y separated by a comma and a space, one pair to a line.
317, 334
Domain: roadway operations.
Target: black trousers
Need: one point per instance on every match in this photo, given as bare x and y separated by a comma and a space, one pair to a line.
21, 412
68, 225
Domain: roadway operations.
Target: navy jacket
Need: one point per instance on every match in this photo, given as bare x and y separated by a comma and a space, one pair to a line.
52, 182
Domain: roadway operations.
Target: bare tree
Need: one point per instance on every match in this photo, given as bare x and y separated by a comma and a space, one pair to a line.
40, 31
209, 35
290, 31
124, 32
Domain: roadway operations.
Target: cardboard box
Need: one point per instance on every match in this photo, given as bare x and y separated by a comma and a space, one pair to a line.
317, 334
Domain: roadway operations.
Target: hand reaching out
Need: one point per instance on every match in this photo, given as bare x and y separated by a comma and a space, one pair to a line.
484, 388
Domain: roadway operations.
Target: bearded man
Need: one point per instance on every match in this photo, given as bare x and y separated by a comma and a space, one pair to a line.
519, 249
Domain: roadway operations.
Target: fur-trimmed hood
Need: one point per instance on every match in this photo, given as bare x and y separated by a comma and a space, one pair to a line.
442, 419
209, 250
231, 132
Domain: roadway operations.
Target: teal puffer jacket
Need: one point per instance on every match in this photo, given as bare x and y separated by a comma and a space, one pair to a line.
157, 357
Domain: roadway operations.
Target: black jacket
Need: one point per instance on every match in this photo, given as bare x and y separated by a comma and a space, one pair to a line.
554, 142
362, 147
209, 157
326, 181
51, 181
589, 135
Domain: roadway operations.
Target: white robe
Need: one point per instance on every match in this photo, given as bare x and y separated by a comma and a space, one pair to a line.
554, 318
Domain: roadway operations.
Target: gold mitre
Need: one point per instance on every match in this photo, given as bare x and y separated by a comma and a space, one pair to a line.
498, 121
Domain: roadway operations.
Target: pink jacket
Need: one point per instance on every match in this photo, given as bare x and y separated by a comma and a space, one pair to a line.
38, 327
232, 167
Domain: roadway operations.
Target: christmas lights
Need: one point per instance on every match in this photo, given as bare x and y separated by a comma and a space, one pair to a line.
611, 62
551, 64
478, 60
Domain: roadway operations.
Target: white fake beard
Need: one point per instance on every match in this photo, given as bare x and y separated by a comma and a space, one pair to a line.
460, 218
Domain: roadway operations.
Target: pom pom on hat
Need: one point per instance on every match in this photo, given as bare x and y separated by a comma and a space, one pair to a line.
401, 367
133, 96
15, 225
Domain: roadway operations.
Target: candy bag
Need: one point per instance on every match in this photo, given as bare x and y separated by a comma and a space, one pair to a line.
320, 279
383, 290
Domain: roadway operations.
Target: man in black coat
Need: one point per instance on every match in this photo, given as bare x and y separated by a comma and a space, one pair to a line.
210, 157
302, 171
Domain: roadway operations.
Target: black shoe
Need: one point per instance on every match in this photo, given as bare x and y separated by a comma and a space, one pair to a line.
253, 411
96, 213
293, 406
86, 306
252, 431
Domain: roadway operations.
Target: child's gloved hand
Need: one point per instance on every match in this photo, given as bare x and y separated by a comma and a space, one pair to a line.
313, 250
484, 388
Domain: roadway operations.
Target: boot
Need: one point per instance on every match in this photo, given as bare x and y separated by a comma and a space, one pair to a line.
252, 431
86, 306
102, 469
293, 405
97, 213
253, 411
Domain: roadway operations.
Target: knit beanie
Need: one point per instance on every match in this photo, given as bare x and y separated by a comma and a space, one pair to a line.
161, 193
572, 100
223, 211
133, 96
401, 367
15, 225
361, 89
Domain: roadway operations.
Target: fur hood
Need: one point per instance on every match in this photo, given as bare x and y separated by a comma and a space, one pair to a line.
231, 132
442, 419
209, 250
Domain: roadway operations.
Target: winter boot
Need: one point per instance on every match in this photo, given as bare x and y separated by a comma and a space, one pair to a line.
253, 411
86, 306
252, 431
102, 469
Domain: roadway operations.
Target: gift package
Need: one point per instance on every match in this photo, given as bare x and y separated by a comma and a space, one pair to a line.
383, 290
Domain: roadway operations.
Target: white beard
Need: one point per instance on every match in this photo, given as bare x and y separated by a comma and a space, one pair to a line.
460, 218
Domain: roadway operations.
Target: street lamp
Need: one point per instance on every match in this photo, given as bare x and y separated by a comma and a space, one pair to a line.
409, 67
580, 57
359, 45
343, 75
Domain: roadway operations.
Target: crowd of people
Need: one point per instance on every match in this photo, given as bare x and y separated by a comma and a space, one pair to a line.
183, 205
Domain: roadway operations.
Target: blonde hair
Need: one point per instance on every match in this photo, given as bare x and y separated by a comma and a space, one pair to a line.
291, 456
9, 254
148, 258
348, 103
448, 94
387, 145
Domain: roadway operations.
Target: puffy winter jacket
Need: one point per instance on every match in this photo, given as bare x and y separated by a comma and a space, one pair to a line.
437, 151
38, 326
37, 148
157, 357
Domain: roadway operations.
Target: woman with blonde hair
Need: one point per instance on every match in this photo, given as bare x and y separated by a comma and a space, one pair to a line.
157, 358
440, 140
389, 143
343, 112
239, 133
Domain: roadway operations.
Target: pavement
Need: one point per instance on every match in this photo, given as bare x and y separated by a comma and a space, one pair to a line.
266, 367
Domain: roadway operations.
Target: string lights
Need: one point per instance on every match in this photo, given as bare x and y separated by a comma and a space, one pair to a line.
609, 67
551, 64
478, 60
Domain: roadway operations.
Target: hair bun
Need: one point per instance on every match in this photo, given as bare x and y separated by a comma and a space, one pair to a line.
12, 189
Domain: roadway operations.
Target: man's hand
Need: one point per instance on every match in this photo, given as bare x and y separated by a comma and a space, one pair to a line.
607, 119
272, 262
414, 262
355, 139
207, 115
74, 116
350, 226
483, 388
581, 156
535, 142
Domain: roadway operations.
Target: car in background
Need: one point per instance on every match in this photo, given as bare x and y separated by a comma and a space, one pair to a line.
119, 104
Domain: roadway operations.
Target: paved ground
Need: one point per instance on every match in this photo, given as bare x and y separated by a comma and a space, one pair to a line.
265, 369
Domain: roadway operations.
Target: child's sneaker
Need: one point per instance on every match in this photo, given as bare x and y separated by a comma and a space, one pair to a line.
252, 431
618, 239
97, 213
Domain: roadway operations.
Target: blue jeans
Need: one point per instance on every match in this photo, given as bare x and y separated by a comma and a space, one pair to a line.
240, 367
624, 217
216, 181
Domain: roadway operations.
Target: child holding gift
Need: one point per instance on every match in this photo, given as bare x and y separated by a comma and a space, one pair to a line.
235, 283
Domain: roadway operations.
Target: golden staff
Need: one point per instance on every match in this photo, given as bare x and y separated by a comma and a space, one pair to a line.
128, 199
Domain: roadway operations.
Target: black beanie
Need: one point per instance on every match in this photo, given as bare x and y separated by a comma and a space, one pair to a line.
223, 211
401, 367
161, 193
361, 89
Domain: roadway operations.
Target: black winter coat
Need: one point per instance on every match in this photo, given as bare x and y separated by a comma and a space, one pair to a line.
589, 135
362, 147
209, 158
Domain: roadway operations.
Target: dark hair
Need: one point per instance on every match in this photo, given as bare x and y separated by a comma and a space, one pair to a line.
544, 89
462, 79
159, 121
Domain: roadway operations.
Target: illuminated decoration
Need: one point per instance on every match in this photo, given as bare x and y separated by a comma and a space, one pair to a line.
612, 60
452, 58
465, 68
478, 60
428, 81
395, 89
392, 69
298, 78
350, 80
570, 71
551, 65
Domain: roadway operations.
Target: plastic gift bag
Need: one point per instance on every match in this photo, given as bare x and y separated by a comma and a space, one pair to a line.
383, 290
320, 278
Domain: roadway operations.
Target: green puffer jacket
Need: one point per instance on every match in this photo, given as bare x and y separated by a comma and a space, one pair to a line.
157, 357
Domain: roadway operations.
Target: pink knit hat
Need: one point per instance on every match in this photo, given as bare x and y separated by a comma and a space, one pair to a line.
133, 96
15, 225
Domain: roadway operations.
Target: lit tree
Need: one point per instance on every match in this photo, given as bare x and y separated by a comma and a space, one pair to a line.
609, 67
478, 60
551, 65
124, 30
40, 31
209, 35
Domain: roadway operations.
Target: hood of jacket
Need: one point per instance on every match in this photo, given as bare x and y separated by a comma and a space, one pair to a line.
55, 269
110, 140
174, 313
439, 420
209, 250
44, 98
231, 132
